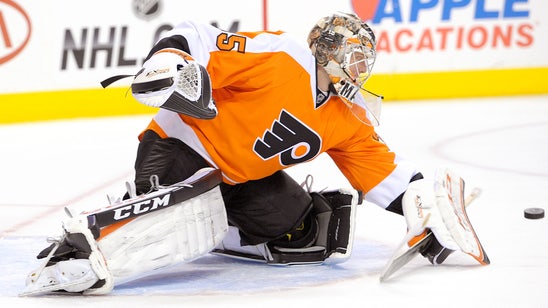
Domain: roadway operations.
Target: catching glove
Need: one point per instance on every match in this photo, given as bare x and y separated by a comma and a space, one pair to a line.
173, 80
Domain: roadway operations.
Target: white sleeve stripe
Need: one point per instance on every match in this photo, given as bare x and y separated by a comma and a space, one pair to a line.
393, 185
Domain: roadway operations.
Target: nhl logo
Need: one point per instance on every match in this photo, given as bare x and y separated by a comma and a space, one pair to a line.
146, 9
321, 98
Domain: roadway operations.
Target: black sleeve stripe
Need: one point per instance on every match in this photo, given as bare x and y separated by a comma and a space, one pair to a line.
175, 41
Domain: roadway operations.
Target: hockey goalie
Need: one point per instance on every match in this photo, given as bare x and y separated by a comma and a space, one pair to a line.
235, 110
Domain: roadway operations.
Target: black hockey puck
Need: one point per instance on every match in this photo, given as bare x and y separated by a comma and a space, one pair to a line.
533, 213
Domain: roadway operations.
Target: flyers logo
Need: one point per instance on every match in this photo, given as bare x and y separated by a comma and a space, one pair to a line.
289, 138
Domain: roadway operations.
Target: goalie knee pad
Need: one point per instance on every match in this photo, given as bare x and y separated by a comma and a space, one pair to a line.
328, 235
334, 213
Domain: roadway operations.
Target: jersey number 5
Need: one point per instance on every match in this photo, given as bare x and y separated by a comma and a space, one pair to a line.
227, 43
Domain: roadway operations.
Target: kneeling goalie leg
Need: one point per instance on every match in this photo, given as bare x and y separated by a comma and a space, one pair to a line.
169, 225
332, 219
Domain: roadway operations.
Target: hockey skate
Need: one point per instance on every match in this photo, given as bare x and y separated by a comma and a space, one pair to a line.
72, 264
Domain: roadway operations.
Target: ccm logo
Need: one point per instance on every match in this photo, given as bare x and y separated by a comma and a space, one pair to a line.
141, 207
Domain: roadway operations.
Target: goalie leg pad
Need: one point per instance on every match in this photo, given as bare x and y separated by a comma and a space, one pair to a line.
179, 233
172, 224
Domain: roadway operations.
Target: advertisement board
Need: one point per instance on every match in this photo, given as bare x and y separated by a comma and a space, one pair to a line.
54, 53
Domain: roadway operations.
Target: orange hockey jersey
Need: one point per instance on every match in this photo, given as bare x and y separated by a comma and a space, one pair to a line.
271, 115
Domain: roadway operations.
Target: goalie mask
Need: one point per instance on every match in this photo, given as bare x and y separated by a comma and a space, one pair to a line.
345, 47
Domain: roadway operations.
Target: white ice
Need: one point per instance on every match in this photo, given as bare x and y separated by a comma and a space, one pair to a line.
497, 144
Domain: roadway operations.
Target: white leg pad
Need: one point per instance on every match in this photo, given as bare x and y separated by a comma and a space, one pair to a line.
180, 233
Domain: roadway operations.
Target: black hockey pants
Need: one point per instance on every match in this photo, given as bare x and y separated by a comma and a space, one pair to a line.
263, 210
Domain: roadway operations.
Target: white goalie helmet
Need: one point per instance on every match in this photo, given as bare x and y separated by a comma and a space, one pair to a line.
345, 47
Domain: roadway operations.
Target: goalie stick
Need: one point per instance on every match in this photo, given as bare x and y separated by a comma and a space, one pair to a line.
399, 259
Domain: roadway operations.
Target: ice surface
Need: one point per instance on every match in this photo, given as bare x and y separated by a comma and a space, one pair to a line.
497, 144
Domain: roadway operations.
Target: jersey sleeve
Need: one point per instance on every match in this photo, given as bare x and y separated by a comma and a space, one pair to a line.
237, 60
196, 39
370, 166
